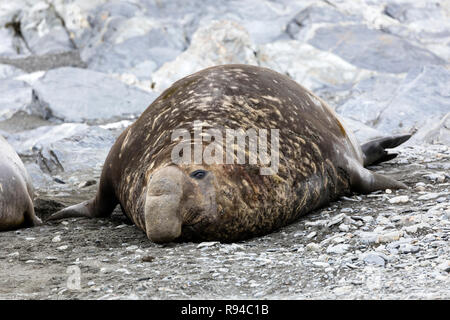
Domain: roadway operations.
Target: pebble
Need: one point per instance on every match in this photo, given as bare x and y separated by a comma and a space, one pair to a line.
311, 235
342, 290
435, 177
399, 199
87, 183
313, 246
389, 236
148, 259
51, 258
56, 239
444, 266
408, 248
321, 264
335, 220
338, 249
374, 258
367, 219
429, 196
123, 270
64, 247
207, 244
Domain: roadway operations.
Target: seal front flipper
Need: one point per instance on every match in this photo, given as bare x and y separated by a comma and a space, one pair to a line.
100, 206
374, 151
83, 209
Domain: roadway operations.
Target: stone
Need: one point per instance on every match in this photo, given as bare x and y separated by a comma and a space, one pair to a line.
389, 236
399, 199
98, 96
373, 258
313, 247
310, 67
338, 249
436, 177
8, 71
123, 38
11, 44
220, 42
434, 131
444, 266
77, 15
58, 152
429, 196
408, 248
207, 244
392, 105
398, 55
317, 14
15, 96
43, 30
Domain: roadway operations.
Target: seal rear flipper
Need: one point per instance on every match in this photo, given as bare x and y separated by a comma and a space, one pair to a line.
374, 151
369, 181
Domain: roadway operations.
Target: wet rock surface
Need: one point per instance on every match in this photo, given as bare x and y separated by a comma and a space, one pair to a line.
74, 74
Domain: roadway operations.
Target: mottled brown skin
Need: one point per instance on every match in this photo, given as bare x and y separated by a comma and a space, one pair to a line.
16, 191
319, 160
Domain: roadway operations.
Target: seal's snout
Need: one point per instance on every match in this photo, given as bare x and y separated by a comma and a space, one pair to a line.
163, 220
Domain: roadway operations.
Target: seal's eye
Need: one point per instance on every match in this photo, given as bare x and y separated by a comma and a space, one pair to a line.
198, 174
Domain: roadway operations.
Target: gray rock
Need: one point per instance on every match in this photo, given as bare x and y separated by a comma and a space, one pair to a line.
338, 249
43, 30
429, 196
307, 65
382, 52
399, 199
221, 42
47, 61
408, 248
373, 258
7, 71
11, 44
393, 106
408, 12
65, 150
434, 131
317, 13
123, 38
15, 96
77, 16
76, 95
254, 15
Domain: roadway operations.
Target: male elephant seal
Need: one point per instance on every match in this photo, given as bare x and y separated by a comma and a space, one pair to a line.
319, 160
16, 191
